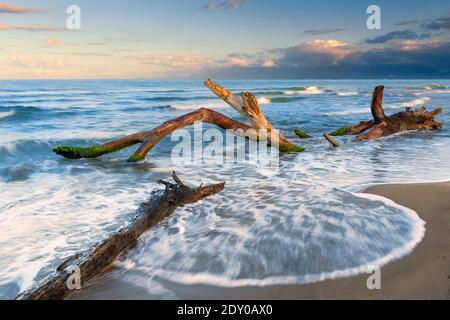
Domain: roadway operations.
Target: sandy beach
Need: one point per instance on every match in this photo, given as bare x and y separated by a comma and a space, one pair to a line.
424, 274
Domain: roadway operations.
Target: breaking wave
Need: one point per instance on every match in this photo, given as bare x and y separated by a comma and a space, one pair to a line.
268, 100
434, 86
304, 90
347, 94
7, 114
197, 105
347, 112
410, 104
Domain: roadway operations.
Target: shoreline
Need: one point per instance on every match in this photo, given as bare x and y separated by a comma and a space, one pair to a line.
422, 274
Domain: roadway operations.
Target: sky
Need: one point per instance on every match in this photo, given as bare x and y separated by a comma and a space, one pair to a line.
237, 39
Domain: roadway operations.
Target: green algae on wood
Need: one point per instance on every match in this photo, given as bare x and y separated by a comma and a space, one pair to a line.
291, 149
301, 134
135, 158
80, 152
382, 125
83, 152
340, 132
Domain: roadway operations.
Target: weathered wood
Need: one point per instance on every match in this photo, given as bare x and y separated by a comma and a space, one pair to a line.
330, 139
258, 120
353, 130
376, 105
150, 138
100, 150
383, 125
253, 112
204, 115
247, 105
91, 263
419, 119
226, 95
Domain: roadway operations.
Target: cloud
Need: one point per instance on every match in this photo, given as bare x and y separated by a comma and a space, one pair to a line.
188, 64
54, 42
8, 8
123, 50
411, 22
87, 54
438, 24
223, 4
97, 43
315, 51
433, 54
394, 35
40, 63
238, 62
331, 59
241, 55
317, 32
174, 62
269, 63
33, 28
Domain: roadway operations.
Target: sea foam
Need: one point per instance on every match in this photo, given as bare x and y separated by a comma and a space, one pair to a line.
7, 114
410, 104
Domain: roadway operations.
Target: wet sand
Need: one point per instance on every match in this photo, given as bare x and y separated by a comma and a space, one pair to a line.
424, 274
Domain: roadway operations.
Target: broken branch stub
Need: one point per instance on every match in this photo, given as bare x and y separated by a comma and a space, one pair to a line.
376, 106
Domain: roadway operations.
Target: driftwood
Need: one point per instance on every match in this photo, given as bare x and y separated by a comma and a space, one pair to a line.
160, 206
247, 106
330, 139
302, 134
383, 125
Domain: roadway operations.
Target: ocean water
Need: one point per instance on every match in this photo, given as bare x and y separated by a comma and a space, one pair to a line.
302, 223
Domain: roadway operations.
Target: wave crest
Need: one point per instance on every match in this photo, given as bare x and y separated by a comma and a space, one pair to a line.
7, 114
410, 104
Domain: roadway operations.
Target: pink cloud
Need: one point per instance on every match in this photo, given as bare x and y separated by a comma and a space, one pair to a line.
40, 63
33, 28
9, 8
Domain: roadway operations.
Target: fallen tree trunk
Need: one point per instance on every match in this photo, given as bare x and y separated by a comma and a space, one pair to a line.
383, 125
204, 115
247, 106
150, 138
160, 206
